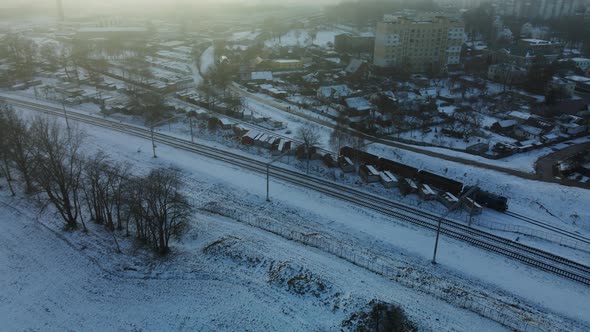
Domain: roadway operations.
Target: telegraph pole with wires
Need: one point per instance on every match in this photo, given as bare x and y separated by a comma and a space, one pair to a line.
452, 208
63, 105
268, 173
152, 131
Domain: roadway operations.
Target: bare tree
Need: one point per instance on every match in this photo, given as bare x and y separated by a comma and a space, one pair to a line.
105, 182
58, 171
5, 151
21, 52
310, 136
20, 145
166, 208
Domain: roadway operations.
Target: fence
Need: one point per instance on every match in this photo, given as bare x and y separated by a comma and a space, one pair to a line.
507, 315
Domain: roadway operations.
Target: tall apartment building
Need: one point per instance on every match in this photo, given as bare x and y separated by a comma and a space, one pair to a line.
423, 43
546, 9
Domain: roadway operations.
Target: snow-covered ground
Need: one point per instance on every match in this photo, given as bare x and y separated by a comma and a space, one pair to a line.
302, 38
243, 35
546, 298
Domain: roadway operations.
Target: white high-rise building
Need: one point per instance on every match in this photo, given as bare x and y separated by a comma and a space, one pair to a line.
422, 43
546, 9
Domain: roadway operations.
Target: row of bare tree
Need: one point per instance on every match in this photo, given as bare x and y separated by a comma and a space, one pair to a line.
48, 159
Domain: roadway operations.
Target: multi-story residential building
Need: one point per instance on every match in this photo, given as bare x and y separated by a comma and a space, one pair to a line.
420, 43
547, 9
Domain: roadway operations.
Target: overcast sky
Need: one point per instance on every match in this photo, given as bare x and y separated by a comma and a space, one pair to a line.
77, 8
128, 3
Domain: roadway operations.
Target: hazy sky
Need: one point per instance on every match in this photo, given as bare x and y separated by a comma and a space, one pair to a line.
77, 8
128, 3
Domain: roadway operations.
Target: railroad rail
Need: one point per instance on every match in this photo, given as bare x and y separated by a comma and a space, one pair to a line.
549, 227
534, 257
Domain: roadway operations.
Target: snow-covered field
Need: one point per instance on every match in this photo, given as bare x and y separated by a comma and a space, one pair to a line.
302, 37
247, 259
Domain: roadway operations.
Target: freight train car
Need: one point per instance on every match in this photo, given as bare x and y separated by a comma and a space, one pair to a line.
361, 157
489, 200
402, 170
440, 182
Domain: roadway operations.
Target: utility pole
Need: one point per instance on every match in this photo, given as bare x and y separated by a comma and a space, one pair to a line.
268, 182
190, 120
153, 143
268, 174
452, 208
152, 126
63, 105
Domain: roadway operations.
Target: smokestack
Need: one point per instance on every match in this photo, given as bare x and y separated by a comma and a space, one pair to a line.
60, 11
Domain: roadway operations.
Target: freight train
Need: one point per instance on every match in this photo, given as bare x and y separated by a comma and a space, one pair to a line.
439, 182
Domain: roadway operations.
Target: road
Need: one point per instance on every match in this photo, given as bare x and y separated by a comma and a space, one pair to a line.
528, 255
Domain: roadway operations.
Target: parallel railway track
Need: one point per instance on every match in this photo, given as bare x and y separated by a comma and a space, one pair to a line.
531, 256
549, 227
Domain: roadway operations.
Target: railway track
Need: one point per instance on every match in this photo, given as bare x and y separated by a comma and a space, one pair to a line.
531, 256
549, 227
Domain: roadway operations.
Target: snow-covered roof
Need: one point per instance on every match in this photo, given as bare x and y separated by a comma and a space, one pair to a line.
261, 75
372, 169
358, 103
334, 91
577, 78
531, 130
519, 115
507, 123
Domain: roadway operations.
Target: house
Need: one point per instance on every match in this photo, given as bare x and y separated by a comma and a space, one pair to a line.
250, 137
504, 126
550, 138
271, 90
369, 174
572, 128
286, 64
261, 139
333, 92
225, 124
261, 76
581, 63
519, 116
582, 84
507, 73
528, 132
358, 109
478, 148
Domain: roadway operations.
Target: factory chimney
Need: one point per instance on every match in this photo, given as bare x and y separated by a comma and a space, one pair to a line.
60, 11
